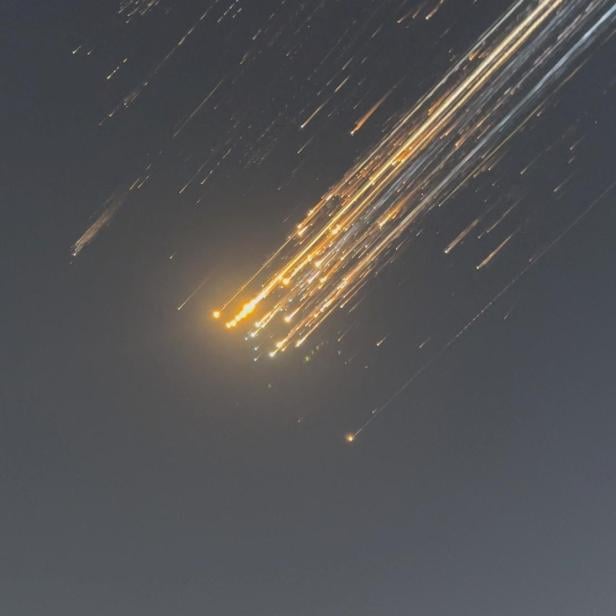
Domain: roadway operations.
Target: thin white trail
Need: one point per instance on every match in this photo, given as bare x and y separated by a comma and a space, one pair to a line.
194, 292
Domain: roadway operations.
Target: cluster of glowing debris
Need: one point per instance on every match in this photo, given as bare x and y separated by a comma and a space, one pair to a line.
455, 132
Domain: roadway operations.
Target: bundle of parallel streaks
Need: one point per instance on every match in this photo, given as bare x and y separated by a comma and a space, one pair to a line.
460, 127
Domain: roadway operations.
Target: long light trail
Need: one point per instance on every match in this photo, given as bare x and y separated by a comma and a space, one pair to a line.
454, 132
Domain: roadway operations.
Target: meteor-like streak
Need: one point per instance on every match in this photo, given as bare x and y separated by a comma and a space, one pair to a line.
457, 130
193, 293
196, 110
111, 207
488, 259
360, 123
461, 237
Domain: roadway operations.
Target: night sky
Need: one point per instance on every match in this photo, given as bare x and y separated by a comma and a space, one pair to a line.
155, 153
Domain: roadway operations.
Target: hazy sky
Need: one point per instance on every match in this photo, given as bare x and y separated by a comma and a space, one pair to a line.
148, 466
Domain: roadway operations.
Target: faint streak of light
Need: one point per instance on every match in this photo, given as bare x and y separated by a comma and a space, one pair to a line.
435, 10
461, 237
110, 209
197, 109
362, 121
492, 255
497, 221
193, 293
342, 84
305, 145
424, 343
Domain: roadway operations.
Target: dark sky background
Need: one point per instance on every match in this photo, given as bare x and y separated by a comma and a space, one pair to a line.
148, 466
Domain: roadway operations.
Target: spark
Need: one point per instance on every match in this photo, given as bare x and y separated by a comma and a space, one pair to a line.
313, 115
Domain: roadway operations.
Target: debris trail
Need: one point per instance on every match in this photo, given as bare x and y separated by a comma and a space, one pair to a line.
453, 133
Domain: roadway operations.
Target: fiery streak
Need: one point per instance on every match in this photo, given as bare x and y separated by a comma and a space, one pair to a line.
492, 255
360, 123
313, 115
460, 237
435, 10
449, 136
110, 208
